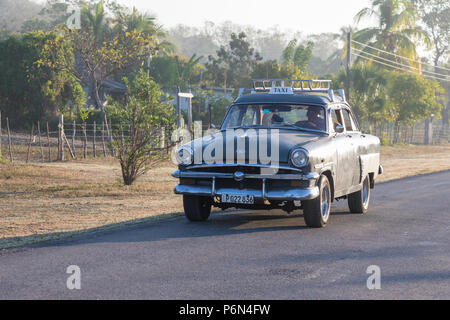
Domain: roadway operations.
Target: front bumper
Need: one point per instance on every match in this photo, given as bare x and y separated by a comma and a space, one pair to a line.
265, 193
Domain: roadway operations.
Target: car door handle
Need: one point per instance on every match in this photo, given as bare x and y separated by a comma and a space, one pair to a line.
363, 136
349, 136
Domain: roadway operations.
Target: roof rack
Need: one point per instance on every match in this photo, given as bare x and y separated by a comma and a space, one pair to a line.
297, 85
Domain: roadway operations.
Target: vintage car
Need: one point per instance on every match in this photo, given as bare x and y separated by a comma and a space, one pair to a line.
320, 155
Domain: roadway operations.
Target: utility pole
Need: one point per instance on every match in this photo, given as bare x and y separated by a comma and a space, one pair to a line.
347, 66
178, 108
189, 115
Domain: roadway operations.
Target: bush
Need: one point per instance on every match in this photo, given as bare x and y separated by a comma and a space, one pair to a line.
143, 115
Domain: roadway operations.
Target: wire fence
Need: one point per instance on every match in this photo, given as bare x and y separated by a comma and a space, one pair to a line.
91, 140
417, 133
69, 141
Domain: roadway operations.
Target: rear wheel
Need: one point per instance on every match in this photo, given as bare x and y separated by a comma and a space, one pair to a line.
317, 212
358, 202
196, 208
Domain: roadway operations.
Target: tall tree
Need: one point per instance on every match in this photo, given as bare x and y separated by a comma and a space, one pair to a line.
29, 90
171, 71
297, 55
436, 16
368, 94
397, 30
233, 63
413, 97
100, 53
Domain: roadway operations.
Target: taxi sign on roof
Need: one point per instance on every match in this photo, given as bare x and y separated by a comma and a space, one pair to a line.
281, 90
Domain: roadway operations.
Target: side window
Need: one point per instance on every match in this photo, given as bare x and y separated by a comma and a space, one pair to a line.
354, 122
348, 121
336, 118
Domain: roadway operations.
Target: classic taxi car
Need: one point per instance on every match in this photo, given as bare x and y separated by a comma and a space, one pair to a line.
321, 155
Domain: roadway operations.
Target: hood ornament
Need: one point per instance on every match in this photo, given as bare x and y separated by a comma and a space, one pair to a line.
239, 176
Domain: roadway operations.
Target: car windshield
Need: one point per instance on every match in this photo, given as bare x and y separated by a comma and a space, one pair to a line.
297, 117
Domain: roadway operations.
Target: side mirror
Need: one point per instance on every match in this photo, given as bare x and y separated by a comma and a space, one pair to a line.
213, 125
340, 128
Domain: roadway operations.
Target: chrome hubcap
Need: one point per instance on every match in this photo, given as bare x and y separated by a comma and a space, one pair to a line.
365, 192
325, 205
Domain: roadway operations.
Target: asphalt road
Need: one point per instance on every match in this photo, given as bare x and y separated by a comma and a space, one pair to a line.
256, 255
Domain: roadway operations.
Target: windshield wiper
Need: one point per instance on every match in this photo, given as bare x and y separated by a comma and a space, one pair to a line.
247, 127
293, 126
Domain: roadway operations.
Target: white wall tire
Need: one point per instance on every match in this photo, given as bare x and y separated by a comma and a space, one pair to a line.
317, 212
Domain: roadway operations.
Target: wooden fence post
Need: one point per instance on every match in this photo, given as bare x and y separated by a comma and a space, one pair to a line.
84, 141
9, 141
40, 143
103, 138
74, 129
60, 138
29, 143
428, 138
48, 145
93, 142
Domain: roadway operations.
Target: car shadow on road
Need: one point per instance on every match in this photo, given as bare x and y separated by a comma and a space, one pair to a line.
176, 226
220, 223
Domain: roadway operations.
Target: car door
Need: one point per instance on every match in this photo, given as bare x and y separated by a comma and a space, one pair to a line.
354, 139
346, 153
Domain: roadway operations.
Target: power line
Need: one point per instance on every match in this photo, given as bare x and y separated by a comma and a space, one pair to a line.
393, 54
397, 67
401, 64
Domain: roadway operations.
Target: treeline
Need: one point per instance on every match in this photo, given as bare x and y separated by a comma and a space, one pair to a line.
49, 68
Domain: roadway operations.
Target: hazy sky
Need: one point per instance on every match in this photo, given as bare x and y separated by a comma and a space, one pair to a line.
302, 15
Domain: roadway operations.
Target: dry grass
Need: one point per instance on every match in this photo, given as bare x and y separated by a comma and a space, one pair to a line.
40, 201
408, 160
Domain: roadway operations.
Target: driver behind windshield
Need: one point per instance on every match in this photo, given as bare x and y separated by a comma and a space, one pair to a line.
315, 119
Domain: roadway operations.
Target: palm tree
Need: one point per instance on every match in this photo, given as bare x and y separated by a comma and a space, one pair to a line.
396, 31
289, 52
297, 55
186, 68
94, 18
126, 21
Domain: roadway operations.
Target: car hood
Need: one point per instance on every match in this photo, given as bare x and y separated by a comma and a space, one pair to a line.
282, 139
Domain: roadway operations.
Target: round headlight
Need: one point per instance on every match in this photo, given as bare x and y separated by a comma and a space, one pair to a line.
184, 156
299, 158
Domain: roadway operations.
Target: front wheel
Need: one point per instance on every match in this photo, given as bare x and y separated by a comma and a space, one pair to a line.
196, 208
317, 212
358, 202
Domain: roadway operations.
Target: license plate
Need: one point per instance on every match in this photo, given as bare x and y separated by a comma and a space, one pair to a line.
238, 199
